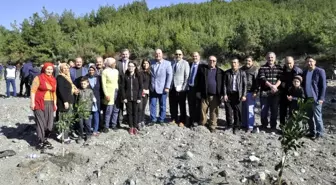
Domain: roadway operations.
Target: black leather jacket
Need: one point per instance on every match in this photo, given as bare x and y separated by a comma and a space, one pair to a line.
241, 82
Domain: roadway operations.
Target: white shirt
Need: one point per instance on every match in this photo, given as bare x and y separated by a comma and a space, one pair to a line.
234, 83
125, 65
195, 66
309, 89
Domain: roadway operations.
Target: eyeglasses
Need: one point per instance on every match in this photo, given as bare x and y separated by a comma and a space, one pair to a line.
179, 54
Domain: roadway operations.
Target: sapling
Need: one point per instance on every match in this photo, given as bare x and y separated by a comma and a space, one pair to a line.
82, 111
63, 125
292, 132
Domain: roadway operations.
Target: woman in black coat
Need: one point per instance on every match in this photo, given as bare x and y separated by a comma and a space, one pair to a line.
65, 91
131, 95
95, 85
146, 78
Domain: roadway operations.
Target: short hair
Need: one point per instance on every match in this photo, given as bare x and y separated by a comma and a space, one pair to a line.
309, 57
84, 78
270, 53
125, 50
235, 58
249, 57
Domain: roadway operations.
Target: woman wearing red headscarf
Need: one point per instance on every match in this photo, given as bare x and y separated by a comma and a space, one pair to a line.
43, 103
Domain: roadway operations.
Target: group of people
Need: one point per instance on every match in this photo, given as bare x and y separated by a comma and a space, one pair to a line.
110, 86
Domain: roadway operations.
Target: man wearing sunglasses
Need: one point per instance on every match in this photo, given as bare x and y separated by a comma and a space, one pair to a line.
177, 94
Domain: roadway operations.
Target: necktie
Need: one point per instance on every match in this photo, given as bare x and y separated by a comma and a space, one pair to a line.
191, 79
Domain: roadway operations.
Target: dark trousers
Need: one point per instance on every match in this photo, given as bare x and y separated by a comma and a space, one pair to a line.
85, 126
142, 109
177, 99
132, 113
25, 81
284, 106
194, 104
44, 120
267, 103
233, 109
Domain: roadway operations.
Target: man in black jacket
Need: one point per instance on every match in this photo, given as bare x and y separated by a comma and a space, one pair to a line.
288, 74
234, 93
252, 88
210, 91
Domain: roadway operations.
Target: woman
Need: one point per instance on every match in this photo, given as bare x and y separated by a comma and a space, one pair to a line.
43, 103
131, 94
110, 83
95, 85
145, 73
65, 94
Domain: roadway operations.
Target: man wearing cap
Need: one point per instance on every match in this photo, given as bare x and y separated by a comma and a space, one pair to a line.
177, 94
315, 85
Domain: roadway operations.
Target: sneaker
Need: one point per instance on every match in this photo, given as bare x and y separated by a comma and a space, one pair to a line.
40, 146
105, 130
130, 131
173, 122
249, 130
234, 130
195, 124
135, 131
80, 141
181, 124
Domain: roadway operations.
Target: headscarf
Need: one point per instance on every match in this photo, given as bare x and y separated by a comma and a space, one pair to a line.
48, 78
67, 76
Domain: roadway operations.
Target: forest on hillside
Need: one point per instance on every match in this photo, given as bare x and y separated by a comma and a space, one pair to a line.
225, 29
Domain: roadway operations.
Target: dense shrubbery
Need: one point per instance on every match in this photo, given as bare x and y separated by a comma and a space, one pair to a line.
239, 27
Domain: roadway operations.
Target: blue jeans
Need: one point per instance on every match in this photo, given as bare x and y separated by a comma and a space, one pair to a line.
248, 111
8, 83
111, 113
162, 102
270, 102
315, 119
94, 120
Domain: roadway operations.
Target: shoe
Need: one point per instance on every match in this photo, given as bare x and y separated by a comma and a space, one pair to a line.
249, 130
139, 126
80, 141
151, 124
105, 130
181, 124
135, 131
130, 131
234, 130
114, 129
212, 130
310, 135
40, 146
195, 124
47, 144
173, 122
95, 134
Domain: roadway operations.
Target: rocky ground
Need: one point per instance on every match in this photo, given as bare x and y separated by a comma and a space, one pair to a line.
161, 155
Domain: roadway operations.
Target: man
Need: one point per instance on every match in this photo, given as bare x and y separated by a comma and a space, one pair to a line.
315, 85
194, 103
10, 75
122, 66
78, 71
99, 65
24, 77
288, 74
234, 93
252, 89
269, 76
210, 91
177, 94
161, 77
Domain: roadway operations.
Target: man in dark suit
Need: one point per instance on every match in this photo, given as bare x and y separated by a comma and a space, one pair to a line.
122, 66
194, 103
210, 91
315, 85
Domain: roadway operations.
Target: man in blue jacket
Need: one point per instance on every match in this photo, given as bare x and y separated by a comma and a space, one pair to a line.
315, 85
161, 77
78, 71
24, 76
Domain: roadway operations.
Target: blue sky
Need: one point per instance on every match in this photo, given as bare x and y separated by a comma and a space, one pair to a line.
11, 10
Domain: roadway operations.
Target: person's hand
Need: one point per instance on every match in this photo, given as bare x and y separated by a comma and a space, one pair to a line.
32, 106
290, 98
76, 92
125, 100
320, 102
66, 105
107, 98
138, 101
55, 107
254, 96
226, 98
166, 90
146, 91
243, 98
198, 95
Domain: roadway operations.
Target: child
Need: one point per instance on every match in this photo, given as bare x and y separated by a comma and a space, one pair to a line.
86, 95
295, 93
132, 95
